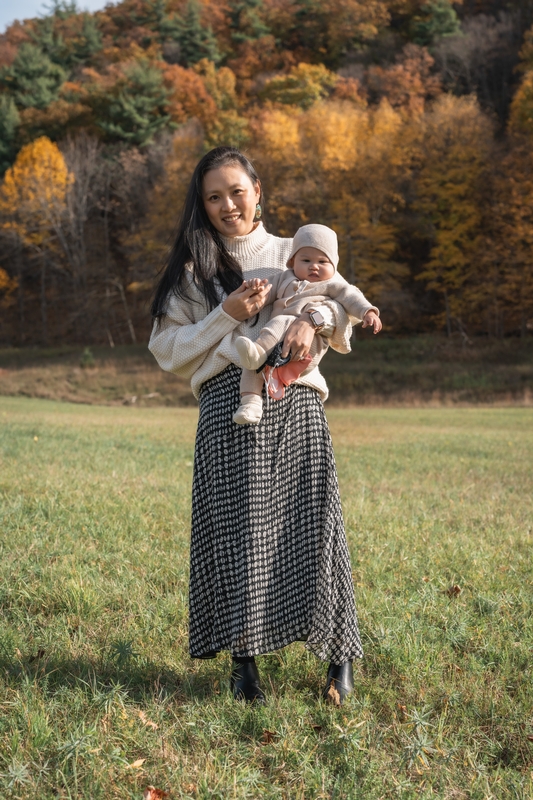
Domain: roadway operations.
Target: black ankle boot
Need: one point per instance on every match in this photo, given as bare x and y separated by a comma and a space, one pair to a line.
339, 683
244, 681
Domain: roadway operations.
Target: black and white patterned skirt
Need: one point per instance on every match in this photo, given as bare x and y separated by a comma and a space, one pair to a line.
269, 559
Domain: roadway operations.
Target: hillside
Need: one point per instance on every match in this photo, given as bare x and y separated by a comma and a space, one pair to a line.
405, 125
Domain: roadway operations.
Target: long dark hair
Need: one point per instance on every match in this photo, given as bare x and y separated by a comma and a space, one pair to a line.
199, 243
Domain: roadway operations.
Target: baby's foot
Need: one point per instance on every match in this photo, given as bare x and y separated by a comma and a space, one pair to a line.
251, 355
250, 410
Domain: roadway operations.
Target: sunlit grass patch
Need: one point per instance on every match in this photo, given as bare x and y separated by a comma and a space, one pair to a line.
98, 695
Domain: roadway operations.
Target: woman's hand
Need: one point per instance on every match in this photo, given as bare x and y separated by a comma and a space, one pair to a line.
298, 339
247, 300
371, 320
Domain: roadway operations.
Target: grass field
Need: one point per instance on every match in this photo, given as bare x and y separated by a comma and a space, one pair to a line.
99, 698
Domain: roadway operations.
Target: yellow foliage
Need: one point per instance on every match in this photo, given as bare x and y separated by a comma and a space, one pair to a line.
219, 83
34, 190
457, 138
335, 132
7, 284
366, 246
278, 133
304, 85
521, 117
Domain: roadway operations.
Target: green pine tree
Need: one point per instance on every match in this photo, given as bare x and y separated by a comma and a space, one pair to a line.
89, 43
33, 80
245, 20
436, 20
195, 40
9, 122
138, 110
76, 49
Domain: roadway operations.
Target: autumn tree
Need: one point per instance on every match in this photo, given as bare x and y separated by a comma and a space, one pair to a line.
502, 292
409, 83
342, 165
325, 30
302, 86
455, 147
33, 203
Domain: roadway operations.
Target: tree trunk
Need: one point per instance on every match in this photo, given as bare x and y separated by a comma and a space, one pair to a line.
20, 293
448, 318
44, 309
131, 329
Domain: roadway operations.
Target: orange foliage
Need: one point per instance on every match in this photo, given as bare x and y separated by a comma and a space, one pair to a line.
256, 58
408, 84
8, 51
59, 118
350, 89
189, 97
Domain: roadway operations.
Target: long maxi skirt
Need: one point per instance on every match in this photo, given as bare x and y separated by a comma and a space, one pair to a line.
269, 558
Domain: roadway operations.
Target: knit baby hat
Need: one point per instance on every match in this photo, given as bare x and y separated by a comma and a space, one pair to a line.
319, 236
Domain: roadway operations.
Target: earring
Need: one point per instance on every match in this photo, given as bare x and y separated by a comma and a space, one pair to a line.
258, 212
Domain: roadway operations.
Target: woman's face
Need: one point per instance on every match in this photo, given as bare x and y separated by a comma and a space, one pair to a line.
230, 199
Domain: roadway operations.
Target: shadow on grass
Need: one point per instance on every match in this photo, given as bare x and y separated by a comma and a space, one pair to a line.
138, 679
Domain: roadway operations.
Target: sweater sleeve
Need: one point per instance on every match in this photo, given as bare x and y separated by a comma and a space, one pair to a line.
351, 299
348, 305
179, 344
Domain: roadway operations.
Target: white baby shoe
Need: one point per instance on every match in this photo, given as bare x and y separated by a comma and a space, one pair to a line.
250, 410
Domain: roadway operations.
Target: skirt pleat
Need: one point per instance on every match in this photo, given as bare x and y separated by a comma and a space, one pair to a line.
269, 558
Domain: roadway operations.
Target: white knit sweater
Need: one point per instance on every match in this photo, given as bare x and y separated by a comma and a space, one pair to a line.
197, 344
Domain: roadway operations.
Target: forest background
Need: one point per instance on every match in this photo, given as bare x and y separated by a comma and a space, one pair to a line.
407, 126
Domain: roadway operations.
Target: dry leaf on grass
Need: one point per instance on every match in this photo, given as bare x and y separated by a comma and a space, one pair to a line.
268, 737
151, 793
402, 711
137, 764
333, 696
148, 722
454, 591
190, 788
529, 737
316, 728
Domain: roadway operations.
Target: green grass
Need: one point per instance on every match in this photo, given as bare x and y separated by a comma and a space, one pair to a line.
94, 672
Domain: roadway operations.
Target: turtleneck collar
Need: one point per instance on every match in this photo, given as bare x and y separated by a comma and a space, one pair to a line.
243, 247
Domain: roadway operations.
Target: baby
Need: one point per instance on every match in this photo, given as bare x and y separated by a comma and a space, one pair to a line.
311, 279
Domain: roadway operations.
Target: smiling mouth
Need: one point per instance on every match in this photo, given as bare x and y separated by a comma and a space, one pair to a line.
233, 218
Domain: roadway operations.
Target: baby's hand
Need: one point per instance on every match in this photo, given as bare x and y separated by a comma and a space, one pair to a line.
371, 320
256, 283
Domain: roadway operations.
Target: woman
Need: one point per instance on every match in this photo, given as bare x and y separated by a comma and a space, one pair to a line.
269, 560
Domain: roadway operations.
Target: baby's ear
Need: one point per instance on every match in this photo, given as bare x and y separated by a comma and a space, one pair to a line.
290, 263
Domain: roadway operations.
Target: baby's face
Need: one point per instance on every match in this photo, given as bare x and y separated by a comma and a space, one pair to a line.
310, 264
